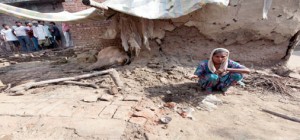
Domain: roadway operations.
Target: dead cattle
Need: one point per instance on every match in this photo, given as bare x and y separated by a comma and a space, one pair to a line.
110, 57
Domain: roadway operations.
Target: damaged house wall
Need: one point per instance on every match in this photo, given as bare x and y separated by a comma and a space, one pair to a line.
238, 27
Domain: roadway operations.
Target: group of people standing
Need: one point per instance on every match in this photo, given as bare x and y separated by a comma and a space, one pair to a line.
34, 36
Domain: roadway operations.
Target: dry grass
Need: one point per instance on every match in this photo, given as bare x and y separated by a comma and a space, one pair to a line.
269, 82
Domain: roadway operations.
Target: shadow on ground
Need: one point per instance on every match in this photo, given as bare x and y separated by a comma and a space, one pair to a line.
189, 93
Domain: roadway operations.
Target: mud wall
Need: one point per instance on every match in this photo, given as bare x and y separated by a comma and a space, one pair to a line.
238, 27
188, 43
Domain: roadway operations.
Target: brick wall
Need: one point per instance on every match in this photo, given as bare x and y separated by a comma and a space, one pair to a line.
88, 34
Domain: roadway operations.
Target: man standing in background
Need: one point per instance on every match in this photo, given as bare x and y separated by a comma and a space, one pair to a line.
40, 33
33, 40
20, 32
55, 33
10, 38
67, 34
2, 45
48, 34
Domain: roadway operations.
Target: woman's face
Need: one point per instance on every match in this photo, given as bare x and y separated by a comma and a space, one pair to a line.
220, 58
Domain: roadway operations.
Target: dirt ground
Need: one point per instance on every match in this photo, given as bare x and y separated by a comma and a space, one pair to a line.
158, 80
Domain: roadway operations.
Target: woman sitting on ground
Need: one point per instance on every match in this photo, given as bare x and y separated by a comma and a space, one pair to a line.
219, 73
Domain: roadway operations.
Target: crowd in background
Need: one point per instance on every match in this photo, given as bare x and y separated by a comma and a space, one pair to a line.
33, 36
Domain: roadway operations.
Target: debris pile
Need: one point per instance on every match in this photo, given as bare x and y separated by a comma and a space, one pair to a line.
268, 82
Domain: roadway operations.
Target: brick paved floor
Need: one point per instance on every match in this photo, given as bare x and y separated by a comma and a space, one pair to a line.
41, 115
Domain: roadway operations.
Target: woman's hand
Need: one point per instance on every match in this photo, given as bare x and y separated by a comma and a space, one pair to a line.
220, 71
193, 76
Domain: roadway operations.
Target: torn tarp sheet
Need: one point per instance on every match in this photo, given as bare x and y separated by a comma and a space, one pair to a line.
159, 9
267, 6
149, 9
90, 14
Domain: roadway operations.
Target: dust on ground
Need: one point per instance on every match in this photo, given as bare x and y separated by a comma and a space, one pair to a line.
157, 81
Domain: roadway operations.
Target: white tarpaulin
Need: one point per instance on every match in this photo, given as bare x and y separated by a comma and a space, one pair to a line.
267, 6
85, 15
159, 9
149, 9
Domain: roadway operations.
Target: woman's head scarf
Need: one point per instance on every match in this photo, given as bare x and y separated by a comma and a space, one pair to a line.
211, 65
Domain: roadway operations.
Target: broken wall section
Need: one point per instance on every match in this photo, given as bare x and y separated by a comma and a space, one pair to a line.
238, 27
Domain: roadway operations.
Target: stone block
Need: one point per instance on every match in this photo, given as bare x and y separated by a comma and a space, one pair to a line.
104, 129
123, 113
106, 97
50, 107
138, 120
108, 111
33, 108
93, 111
62, 110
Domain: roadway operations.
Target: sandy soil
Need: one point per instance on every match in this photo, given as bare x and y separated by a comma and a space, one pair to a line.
164, 79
